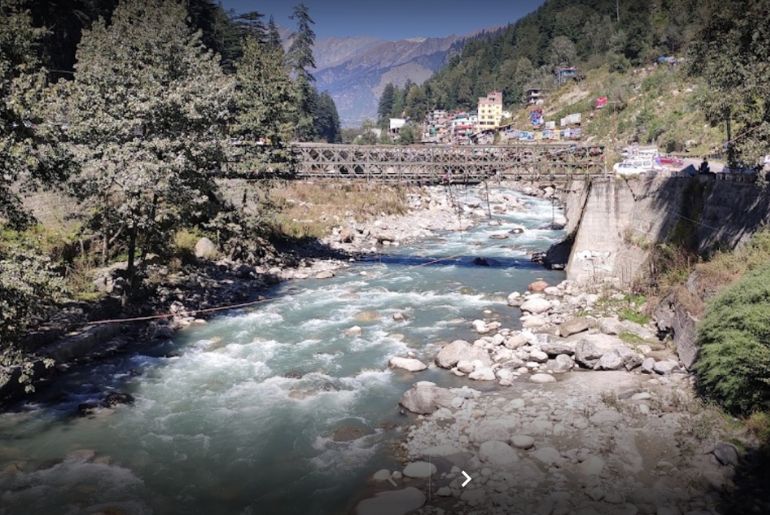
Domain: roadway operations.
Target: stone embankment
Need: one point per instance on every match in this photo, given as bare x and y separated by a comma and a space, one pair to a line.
590, 414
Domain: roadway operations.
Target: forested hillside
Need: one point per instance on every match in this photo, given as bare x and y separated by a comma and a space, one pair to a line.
721, 46
563, 33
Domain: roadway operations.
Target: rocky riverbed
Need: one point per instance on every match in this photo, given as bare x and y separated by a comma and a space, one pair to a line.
591, 414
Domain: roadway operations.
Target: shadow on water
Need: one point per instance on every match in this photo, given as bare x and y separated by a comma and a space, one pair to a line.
458, 261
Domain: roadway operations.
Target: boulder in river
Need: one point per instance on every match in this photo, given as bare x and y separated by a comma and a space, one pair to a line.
425, 397
409, 364
460, 350
537, 286
536, 304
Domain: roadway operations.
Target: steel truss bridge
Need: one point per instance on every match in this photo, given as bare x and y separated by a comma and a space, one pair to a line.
443, 164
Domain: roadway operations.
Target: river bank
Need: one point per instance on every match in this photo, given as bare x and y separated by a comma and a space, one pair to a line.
592, 414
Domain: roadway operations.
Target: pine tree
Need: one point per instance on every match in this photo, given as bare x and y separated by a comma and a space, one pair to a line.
301, 61
273, 36
145, 114
265, 100
385, 107
301, 50
326, 119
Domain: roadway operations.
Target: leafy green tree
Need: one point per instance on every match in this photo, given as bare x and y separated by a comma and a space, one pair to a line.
26, 159
29, 155
408, 135
145, 137
732, 53
416, 103
562, 52
265, 101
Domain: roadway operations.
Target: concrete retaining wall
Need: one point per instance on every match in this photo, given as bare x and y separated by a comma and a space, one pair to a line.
617, 221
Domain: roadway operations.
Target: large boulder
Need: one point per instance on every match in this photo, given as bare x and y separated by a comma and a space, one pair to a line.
205, 249
420, 470
561, 364
537, 286
425, 397
515, 299
587, 354
409, 364
557, 347
460, 350
536, 304
574, 326
609, 361
498, 453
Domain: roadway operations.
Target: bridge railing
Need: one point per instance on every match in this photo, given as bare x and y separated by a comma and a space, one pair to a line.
424, 163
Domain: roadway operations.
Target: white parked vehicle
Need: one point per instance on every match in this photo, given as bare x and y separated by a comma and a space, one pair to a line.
636, 165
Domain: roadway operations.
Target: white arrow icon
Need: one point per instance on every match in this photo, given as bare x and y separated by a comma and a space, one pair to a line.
467, 478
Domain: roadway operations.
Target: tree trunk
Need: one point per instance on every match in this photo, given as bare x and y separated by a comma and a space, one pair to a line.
131, 268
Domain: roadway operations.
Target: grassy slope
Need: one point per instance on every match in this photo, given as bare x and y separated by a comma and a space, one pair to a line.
661, 108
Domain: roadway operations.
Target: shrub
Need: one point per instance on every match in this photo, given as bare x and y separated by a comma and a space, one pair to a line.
733, 367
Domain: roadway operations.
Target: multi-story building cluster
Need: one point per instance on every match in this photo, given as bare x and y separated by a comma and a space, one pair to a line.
487, 125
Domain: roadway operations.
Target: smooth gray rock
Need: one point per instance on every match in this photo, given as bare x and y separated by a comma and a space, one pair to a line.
542, 378
666, 366
522, 441
556, 347
574, 326
419, 470
408, 364
498, 453
460, 350
726, 453
425, 397
562, 363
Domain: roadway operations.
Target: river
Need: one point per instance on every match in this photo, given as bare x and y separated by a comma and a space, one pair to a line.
240, 415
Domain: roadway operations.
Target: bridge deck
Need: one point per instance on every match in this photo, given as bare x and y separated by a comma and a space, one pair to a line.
436, 164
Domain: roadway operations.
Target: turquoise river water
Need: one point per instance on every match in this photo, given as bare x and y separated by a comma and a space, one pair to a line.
239, 416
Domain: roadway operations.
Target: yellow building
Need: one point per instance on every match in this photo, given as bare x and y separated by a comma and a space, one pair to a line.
490, 110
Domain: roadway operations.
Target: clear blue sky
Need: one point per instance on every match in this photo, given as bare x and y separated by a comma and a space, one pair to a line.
394, 19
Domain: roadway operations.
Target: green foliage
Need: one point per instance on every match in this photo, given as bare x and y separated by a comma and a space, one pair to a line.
29, 155
580, 32
27, 281
265, 102
145, 137
634, 316
733, 366
732, 52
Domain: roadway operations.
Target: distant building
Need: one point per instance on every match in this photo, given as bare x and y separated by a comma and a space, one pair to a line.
535, 96
395, 125
490, 110
565, 73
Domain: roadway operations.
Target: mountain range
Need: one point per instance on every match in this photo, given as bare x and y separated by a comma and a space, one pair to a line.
355, 70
